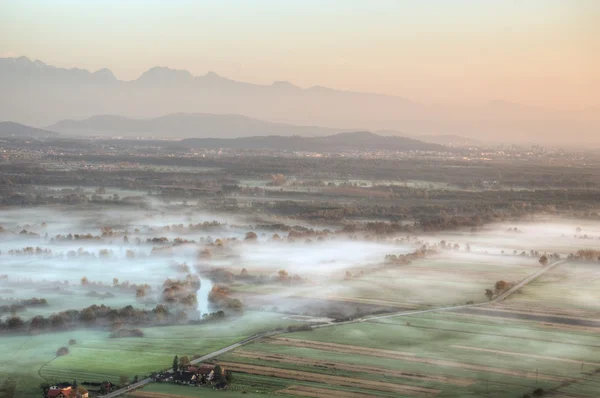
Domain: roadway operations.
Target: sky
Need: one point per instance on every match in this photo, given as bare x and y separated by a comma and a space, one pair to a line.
538, 52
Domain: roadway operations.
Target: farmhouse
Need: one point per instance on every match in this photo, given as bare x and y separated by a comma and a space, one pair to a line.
66, 391
206, 370
185, 377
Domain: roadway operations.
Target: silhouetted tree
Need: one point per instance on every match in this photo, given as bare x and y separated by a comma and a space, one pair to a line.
175, 363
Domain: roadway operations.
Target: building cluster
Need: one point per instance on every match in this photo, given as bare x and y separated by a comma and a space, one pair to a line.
66, 390
194, 375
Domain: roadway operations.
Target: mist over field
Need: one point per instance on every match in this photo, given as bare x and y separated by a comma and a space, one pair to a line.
299, 199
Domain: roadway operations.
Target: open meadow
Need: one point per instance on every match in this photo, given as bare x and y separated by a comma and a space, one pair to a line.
190, 282
435, 354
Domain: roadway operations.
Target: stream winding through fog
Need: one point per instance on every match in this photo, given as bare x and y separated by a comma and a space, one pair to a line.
205, 288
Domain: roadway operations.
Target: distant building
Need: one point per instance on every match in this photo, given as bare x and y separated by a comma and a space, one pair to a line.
66, 391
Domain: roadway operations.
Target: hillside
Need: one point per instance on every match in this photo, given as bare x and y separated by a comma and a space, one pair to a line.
16, 130
341, 142
183, 125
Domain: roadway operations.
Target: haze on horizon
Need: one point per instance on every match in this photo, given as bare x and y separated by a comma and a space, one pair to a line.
539, 53
465, 64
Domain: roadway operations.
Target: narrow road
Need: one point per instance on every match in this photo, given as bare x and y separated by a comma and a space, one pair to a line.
496, 299
206, 357
250, 339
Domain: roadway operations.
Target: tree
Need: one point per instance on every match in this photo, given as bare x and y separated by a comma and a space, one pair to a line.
282, 274
218, 373
123, 380
501, 286
184, 362
175, 363
88, 315
62, 351
544, 260
84, 281
14, 323
251, 236
489, 294
140, 293
277, 179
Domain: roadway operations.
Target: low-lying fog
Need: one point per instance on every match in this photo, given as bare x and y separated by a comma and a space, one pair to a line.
124, 253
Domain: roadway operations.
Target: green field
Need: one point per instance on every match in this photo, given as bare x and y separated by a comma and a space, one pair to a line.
187, 391
442, 280
95, 357
570, 289
498, 357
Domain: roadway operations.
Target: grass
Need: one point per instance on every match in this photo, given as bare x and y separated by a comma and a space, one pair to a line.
21, 357
570, 289
588, 387
188, 391
445, 279
31, 359
251, 386
531, 348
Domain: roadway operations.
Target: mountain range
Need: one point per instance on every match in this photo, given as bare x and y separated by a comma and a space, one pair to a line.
38, 94
182, 125
353, 141
340, 142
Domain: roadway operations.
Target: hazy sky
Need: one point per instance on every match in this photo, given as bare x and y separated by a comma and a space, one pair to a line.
538, 52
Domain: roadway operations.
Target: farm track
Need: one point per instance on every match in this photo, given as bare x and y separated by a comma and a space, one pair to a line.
491, 312
354, 368
329, 379
144, 394
491, 334
518, 354
315, 392
409, 357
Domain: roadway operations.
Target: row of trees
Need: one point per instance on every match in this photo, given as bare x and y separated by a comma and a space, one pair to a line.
94, 317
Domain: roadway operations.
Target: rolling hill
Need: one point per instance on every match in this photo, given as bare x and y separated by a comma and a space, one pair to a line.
183, 125
354, 141
17, 130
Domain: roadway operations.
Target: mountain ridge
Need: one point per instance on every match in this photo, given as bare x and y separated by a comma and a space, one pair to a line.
336, 143
184, 125
38, 94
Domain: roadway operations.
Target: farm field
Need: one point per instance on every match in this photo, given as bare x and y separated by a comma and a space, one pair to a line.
444, 279
32, 359
164, 390
441, 354
567, 290
447, 278
587, 388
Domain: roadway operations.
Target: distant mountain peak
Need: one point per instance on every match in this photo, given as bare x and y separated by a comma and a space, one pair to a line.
284, 84
212, 75
105, 72
23, 60
163, 74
